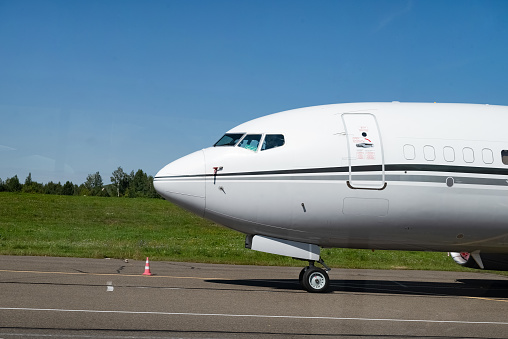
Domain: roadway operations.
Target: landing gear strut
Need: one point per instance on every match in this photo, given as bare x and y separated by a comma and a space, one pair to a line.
315, 279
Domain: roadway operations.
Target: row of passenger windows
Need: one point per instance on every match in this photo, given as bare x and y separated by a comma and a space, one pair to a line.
468, 154
251, 141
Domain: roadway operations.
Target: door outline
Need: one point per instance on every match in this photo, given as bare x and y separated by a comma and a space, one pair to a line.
358, 145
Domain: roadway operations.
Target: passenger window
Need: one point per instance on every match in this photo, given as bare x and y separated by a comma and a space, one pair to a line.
488, 156
429, 153
228, 139
409, 152
272, 141
449, 153
251, 142
468, 154
504, 156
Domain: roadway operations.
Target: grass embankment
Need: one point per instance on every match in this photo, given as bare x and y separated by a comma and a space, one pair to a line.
94, 227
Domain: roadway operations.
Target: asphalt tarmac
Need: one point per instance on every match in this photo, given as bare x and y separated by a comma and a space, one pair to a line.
43, 297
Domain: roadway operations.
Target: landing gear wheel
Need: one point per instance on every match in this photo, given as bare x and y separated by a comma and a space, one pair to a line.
302, 272
314, 279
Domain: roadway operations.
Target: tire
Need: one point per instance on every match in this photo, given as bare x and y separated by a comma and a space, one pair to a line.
315, 280
302, 272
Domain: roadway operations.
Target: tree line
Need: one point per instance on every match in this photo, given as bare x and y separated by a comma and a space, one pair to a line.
134, 185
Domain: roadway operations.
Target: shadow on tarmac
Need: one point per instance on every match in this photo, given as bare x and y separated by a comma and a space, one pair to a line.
460, 288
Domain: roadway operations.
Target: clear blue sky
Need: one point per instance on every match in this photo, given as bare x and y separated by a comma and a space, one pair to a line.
88, 86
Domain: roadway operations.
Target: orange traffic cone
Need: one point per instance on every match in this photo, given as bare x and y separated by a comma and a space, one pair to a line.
147, 268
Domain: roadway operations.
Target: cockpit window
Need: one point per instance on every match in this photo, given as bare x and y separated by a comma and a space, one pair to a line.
229, 139
272, 141
504, 156
251, 142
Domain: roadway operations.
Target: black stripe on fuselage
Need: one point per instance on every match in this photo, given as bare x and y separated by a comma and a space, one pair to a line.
447, 169
359, 169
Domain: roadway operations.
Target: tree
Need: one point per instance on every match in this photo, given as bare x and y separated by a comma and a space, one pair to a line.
94, 183
68, 188
52, 188
13, 185
76, 189
31, 186
28, 180
152, 193
140, 185
133, 185
83, 190
121, 180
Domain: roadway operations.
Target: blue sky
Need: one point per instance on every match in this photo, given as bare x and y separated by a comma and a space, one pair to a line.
88, 86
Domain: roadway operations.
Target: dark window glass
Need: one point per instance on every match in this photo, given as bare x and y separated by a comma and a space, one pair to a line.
272, 141
504, 157
229, 139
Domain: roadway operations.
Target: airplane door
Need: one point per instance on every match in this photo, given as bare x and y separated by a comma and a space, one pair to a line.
365, 151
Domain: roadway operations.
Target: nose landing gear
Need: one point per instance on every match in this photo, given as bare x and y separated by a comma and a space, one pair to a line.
315, 279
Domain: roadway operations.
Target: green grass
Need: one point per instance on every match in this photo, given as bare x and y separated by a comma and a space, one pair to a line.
94, 227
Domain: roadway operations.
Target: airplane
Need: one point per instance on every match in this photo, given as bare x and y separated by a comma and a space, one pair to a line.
380, 176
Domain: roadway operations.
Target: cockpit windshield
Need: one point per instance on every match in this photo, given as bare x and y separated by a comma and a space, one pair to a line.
273, 141
251, 142
229, 139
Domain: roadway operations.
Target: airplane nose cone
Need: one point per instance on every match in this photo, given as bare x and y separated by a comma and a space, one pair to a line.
183, 182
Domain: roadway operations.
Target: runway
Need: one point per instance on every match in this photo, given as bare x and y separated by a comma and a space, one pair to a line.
43, 297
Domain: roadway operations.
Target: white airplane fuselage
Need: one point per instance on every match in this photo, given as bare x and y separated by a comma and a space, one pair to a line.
395, 176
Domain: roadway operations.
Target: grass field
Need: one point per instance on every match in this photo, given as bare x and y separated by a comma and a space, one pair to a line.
94, 227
